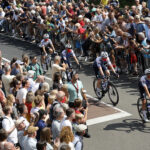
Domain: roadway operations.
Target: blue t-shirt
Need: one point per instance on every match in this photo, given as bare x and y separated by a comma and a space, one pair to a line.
72, 90
144, 43
41, 124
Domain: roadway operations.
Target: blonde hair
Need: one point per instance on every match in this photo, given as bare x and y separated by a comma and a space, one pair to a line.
45, 87
66, 135
54, 92
10, 98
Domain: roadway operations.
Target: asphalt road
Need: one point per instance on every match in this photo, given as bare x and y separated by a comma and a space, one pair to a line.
122, 134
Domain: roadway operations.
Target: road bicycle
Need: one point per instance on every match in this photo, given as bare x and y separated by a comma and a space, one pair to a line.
139, 107
106, 87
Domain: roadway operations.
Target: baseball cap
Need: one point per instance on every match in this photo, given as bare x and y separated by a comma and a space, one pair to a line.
80, 127
18, 122
30, 73
32, 129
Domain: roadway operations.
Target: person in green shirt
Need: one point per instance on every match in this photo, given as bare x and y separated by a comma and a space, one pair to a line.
75, 89
35, 66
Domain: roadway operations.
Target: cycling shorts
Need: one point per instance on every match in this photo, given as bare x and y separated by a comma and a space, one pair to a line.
97, 72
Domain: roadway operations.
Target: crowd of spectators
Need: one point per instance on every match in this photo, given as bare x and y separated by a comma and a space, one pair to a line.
33, 116
123, 32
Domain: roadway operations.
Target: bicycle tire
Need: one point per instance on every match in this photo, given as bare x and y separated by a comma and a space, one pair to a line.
94, 87
109, 94
139, 108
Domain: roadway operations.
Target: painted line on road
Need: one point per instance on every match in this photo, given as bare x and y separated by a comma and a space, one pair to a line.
120, 114
97, 120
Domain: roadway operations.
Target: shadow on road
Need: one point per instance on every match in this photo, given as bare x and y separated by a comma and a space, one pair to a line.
26, 47
129, 125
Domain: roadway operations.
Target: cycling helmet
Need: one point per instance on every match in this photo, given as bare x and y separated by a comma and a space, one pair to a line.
46, 36
104, 54
147, 71
68, 46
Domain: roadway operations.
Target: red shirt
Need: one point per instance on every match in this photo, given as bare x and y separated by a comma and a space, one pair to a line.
81, 30
81, 23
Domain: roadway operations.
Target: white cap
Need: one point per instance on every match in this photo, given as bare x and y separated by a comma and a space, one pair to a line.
32, 11
19, 62
80, 127
80, 16
19, 121
30, 73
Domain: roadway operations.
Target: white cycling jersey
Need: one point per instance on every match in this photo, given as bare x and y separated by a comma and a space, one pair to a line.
45, 43
99, 62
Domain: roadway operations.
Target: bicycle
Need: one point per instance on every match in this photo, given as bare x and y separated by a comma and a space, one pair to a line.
139, 107
106, 87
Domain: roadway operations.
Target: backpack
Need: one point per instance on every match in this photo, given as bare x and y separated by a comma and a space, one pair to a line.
1, 120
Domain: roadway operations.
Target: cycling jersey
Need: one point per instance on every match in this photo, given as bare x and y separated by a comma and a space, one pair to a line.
45, 43
145, 82
142, 83
66, 55
100, 63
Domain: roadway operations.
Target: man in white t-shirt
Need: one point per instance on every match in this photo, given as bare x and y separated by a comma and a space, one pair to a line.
7, 79
68, 121
56, 67
9, 126
21, 94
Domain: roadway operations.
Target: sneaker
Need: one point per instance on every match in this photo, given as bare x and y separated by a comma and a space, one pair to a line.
86, 58
87, 135
145, 116
98, 92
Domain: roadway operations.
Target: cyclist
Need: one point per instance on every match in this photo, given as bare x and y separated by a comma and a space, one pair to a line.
144, 88
100, 68
46, 45
67, 53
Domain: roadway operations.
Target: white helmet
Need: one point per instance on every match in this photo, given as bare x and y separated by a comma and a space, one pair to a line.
68, 46
46, 36
104, 54
147, 71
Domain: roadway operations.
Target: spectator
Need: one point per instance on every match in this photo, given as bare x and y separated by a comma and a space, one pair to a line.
7, 79
66, 137
23, 110
20, 125
21, 94
41, 145
78, 139
9, 126
35, 67
68, 121
12, 103
59, 116
46, 136
41, 124
4, 144
75, 88
56, 66
30, 142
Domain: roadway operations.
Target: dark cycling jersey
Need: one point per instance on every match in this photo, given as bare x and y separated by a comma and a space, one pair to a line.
145, 82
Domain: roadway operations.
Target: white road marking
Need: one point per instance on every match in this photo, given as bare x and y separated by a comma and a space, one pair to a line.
106, 118
97, 120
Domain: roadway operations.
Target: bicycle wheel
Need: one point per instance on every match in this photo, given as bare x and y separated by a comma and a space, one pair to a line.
139, 107
113, 93
98, 94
